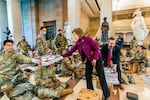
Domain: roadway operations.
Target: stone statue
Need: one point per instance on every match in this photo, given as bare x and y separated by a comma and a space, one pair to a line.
7, 33
104, 28
139, 28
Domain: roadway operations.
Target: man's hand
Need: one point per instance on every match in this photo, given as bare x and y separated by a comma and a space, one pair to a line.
115, 67
94, 62
58, 83
48, 85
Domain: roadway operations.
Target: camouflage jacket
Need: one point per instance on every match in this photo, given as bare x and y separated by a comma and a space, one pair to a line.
8, 65
42, 46
61, 41
23, 46
140, 56
45, 75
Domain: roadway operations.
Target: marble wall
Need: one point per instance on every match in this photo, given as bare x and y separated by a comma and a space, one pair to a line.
50, 10
84, 21
3, 21
29, 21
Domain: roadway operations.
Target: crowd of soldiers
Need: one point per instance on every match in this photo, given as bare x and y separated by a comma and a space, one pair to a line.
47, 85
12, 80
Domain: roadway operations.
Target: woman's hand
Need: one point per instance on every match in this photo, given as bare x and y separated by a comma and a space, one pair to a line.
94, 62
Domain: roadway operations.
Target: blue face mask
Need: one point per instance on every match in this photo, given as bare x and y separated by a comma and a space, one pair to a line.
44, 33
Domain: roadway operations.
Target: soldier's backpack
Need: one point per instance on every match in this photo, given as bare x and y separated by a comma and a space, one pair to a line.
21, 89
132, 96
26, 96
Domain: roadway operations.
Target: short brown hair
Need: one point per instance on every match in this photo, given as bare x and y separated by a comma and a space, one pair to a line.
79, 32
42, 27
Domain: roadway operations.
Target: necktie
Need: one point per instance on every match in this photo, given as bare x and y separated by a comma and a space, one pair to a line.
109, 57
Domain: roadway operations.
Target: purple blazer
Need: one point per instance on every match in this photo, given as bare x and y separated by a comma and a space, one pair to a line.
88, 46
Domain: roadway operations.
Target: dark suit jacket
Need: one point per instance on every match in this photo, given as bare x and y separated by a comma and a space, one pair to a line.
115, 54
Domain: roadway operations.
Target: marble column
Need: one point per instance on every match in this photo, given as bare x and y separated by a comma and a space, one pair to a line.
3, 21
106, 11
74, 10
14, 18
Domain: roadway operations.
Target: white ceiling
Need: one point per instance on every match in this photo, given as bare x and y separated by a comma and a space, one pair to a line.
91, 7
129, 4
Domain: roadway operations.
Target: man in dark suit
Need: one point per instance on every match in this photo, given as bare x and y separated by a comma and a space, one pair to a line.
111, 53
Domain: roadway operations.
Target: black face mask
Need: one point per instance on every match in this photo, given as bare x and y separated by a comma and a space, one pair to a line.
60, 34
24, 39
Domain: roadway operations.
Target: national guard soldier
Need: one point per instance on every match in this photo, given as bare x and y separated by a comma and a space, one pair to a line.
47, 85
42, 33
133, 43
23, 46
140, 58
66, 67
8, 63
42, 47
60, 42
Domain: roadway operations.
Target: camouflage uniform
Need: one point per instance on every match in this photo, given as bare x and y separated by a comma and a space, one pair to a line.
47, 75
42, 36
23, 46
8, 64
60, 43
141, 59
128, 78
67, 67
72, 65
133, 44
42, 46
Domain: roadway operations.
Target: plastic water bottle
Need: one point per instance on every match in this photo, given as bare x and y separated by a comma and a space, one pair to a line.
73, 76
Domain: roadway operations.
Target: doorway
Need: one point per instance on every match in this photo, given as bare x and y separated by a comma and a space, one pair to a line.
51, 29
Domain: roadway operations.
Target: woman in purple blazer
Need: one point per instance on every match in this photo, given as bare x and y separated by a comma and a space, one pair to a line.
91, 56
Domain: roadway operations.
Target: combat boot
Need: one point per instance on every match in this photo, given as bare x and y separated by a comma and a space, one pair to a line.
66, 91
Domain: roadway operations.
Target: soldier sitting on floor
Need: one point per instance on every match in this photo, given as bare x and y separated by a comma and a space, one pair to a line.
47, 85
127, 78
140, 58
72, 65
8, 66
66, 67
23, 46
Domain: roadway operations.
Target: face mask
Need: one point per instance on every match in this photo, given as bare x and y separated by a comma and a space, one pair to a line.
44, 33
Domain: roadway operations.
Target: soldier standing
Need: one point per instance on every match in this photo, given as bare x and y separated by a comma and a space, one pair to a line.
134, 43
42, 47
23, 46
60, 42
41, 44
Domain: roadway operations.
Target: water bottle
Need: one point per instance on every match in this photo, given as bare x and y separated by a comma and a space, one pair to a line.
73, 75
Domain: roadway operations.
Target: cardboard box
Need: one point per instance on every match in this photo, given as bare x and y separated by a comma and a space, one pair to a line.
135, 67
87, 94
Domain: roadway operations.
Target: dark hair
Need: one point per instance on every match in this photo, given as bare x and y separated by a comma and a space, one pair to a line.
111, 38
79, 32
6, 41
105, 17
59, 30
42, 27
